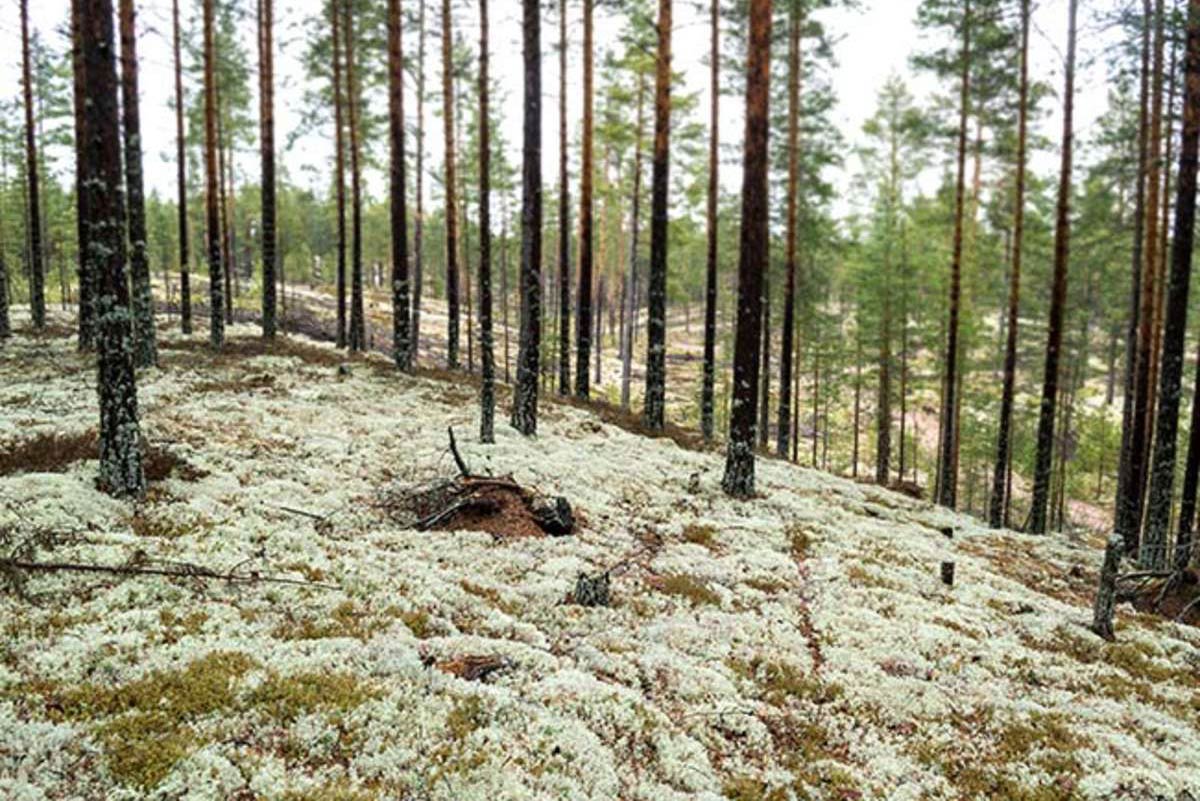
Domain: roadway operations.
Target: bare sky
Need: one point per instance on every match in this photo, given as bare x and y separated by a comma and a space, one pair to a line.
872, 42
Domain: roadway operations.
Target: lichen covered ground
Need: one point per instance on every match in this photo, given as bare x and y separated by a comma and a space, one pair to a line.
799, 645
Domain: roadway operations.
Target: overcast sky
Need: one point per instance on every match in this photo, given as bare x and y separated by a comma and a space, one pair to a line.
872, 42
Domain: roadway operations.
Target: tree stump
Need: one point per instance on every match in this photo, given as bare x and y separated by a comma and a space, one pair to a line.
591, 590
1106, 593
948, 573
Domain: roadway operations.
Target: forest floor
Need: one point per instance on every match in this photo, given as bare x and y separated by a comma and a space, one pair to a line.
798, 645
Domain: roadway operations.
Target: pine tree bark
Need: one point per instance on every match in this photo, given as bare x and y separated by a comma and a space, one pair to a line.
1127, 514
339, 176
1153, 550
1191, 481
656, 323
185, 282
419, 222
583, 326
631, 305
708, 386
789, 297
947, 494
1008, 392
266, 75
564, 214
87, 284
120, 435
37, 291
1058, 297
451, 184
398, 206
228, 258
145, 352
738, 480
216, 286
487, 357
525, 394
358, 333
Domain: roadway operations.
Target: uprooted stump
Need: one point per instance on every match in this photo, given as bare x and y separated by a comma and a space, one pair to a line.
498, 506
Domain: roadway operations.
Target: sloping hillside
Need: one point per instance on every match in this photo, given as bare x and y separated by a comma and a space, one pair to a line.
797, 646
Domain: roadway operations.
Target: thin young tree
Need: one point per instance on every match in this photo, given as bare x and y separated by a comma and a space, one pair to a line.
708, 384
339, 171
266, 82
37, 291
216, 268
1008, 392
583, 326
654, 410
1153, 554
564, 214
419, 221
144, 348
738, 480
795, 21
487, 354
398, 206
1058, 297
185, 282
451, 185
525, 397
635, 217
121, 472
358, 333
948, 446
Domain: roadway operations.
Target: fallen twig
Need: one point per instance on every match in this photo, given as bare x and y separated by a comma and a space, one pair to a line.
180, 570
458, 459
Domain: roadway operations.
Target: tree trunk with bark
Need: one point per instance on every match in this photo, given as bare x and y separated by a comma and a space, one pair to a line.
120, 434
266, 74
37, 291
216, 285
525, 393
339, 176
398, 189
583, 326
564, 214
1153, 551
487, 358
631, 306
451, 184
654, 410
1008, 392
789, 298
708, 386
419, 222
185, 282
1058, 297
87, 288
358, 332
738, 480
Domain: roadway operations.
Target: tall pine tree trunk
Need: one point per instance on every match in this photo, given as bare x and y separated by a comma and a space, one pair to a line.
789, 298
738, 480
339, 176
37, 291
216, 268
525, 394
583, 326
631, 307
419, 222
487, 357
398, 217
1153, 552
947, 484
120, 435
185, 281
451, 185
1058, 297
87, 284
708, 388
656, 323
564, 214
358, 333
266, 75
1004, 436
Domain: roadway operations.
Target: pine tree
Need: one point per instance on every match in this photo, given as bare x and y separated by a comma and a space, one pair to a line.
564, 214
266, 74
1004, 434
1153, 553
525, 398
451, 185
398, 206
1062, 242
793, 183
216, 269
419, 222
707, 390
583, 326
738, 480
87, 284
486, 346
120, 435
185, 284
358, 333
144, 348
37, 268
635, 217
656, 295
339, 176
